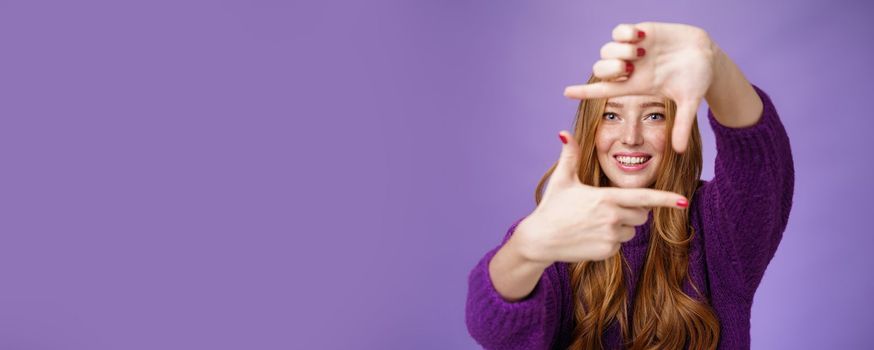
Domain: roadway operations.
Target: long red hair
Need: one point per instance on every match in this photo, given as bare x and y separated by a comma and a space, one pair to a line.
664, 316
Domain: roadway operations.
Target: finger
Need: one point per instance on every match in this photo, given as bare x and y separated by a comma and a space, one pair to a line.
626, 233
600, 90
683, 122
612, 68
622, 51
568, 165
633, 216
644, 197
627, 33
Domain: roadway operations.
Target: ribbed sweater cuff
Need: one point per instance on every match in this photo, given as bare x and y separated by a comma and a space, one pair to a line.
499, 321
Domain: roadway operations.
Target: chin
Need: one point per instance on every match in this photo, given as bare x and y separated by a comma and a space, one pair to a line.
632, 183
622, 179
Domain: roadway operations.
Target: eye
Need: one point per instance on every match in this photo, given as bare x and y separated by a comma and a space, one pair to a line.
657, 116
607, 116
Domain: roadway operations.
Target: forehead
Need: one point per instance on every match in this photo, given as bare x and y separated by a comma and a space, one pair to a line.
634, 101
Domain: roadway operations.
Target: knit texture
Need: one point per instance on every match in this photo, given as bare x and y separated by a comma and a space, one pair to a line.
739, 218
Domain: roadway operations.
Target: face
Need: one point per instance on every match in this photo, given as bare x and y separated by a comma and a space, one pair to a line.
631, 139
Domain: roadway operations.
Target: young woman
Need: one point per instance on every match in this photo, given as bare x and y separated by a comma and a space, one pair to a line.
627, 247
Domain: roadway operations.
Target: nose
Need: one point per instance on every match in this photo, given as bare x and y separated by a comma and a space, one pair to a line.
631, 134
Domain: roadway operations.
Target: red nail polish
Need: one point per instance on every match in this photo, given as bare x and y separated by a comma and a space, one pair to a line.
641, 34
641, 51
563, 139
682, 203
628, 67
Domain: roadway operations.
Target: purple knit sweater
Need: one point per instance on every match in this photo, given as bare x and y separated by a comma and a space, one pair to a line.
739, 218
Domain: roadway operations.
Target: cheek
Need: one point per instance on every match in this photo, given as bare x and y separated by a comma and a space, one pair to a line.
603, 140
656, 138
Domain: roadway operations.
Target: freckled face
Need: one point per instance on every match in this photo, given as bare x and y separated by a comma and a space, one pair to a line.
630, 140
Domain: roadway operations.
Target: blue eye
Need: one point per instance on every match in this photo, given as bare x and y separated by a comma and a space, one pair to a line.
610, 114
657, 114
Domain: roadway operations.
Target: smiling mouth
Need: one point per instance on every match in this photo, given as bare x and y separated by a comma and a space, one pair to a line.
632, 163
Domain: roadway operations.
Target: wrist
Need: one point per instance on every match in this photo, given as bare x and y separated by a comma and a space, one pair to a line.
526, 250
721, 68
730, 96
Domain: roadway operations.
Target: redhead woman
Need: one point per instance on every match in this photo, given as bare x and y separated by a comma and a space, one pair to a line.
627, 247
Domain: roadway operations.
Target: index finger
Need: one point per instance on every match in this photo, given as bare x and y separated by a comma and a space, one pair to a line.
645, 197
604, 89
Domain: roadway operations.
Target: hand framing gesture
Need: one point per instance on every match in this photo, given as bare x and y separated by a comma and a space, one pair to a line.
576, 222
673, 60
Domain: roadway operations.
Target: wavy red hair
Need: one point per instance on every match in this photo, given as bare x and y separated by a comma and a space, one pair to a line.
664, 316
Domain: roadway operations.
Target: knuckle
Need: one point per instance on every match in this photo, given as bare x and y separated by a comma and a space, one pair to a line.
613, 218
630, 51
599, 198
618, 64
611, 234
640, 197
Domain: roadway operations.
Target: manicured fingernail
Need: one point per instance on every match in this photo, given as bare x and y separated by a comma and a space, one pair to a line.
641, 51
682, 203
641, 34
628, 67
563, 139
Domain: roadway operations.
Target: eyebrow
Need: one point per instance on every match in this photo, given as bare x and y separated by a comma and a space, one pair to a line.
643, 105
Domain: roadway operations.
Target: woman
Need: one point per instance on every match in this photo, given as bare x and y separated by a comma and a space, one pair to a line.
627, 247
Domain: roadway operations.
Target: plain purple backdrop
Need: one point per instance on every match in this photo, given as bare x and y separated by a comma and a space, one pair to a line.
272, 175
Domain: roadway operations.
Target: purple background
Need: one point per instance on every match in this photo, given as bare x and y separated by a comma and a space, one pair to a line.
266, 175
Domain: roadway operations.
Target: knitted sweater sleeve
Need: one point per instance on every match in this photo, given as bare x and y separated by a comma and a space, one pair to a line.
530, 323
746, 206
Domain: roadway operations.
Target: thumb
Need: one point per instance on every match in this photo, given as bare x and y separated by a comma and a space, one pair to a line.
683, 121
568, 165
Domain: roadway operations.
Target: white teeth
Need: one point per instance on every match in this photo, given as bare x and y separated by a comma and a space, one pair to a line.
631, 160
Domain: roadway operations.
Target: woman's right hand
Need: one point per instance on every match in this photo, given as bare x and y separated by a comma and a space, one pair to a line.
575, 222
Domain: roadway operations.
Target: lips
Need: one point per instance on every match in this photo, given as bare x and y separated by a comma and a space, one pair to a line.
632, 161
632, 154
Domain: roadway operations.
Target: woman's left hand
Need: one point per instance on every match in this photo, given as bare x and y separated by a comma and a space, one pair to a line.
677, 62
